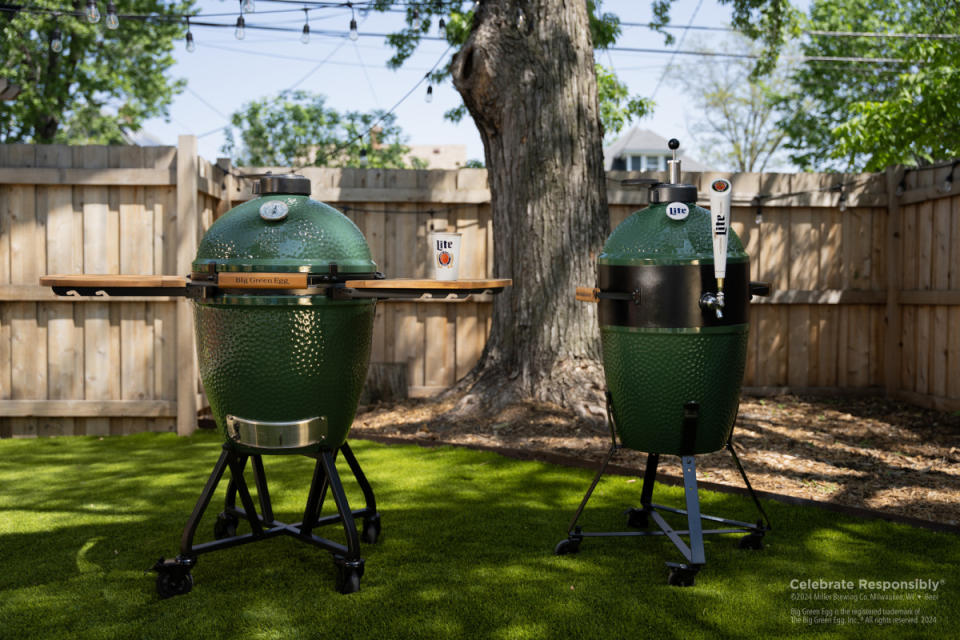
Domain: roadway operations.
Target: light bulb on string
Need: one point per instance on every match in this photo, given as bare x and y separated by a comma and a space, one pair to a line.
191, 46
92, 13
249, 6
354, 34
442, 25
240, 32
947, 186
112, 21
415, 22
56, 44
363, 157
305, 35
429, 96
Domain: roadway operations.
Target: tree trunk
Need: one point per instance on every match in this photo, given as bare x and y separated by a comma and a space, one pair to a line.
526, 74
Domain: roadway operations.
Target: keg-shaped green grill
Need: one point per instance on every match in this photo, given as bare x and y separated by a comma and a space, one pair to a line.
673, 292
666, 342
283, 369
673, 289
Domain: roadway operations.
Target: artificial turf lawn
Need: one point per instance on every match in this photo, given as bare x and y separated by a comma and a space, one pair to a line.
466, 551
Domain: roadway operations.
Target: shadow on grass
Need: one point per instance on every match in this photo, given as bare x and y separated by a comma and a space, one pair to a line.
466, 552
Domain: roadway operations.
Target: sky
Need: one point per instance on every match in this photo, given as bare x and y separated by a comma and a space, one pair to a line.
224, 73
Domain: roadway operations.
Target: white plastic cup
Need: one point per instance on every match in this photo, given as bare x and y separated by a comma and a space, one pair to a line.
445, 249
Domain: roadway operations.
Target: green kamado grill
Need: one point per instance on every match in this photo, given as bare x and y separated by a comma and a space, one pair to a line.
673, 291
284, 291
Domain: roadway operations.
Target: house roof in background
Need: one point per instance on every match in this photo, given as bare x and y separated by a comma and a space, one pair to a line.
637, 141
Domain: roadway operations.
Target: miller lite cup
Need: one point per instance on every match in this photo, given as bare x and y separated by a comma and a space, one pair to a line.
445, 248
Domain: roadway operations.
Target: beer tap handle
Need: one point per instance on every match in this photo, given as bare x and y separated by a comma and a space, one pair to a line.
720, 193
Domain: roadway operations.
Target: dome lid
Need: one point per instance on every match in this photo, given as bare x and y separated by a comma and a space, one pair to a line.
650, 236
284, 233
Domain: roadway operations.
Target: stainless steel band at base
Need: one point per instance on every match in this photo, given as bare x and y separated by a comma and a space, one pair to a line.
261, 434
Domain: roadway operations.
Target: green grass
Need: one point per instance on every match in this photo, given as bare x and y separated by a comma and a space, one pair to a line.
466, 551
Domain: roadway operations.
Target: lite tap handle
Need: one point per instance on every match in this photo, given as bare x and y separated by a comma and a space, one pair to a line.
720, 192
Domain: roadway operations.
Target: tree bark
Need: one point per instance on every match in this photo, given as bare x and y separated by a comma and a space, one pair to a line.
526, 74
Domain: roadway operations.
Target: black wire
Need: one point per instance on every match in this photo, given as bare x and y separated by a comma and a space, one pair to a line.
360, 136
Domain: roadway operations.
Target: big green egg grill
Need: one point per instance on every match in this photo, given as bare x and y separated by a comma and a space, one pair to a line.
284, 291
673, 293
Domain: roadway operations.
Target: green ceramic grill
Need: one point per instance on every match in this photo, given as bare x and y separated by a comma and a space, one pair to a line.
673, 289
283, 368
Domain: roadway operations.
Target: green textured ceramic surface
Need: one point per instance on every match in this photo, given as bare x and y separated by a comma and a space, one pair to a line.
652, 373
650, 237
311, 237
284, 362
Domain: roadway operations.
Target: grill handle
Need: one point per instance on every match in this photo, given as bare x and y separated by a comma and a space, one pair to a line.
760, 289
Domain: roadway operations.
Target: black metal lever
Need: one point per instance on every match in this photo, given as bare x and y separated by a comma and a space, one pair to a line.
761, 289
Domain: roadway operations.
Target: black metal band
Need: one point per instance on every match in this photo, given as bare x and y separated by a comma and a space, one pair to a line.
668, 296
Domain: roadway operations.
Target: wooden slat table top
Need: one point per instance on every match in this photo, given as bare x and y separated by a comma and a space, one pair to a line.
417, 284
112, 280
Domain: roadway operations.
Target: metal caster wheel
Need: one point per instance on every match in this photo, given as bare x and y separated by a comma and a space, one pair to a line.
637, 518
751, 541
225, 526
371, 529
348, 575
682, 575
173, 578
570, 545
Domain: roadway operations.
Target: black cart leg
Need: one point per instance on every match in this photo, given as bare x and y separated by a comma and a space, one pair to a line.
754, 539
371, 518
173, 575
318, 489
640, 518
572, 543
349, 567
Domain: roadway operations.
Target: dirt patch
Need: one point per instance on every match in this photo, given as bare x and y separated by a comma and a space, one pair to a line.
861, 452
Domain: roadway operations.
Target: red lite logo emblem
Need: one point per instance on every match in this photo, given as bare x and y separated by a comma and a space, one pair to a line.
444, 259
720, 186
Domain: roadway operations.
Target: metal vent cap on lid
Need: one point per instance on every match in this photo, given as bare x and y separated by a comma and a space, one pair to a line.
283, 184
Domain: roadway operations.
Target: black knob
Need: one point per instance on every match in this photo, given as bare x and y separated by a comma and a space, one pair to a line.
673, 144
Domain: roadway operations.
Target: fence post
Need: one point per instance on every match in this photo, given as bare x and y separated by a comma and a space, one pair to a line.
892, 344
188, 228
226, 192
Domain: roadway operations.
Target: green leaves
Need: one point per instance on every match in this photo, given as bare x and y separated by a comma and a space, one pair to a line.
296, 128
866, 116
616, 107
102, 82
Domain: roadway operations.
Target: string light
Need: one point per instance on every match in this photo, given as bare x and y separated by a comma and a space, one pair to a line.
947, 186
191, 47
758, 203
429, 97
442, 25
354, 34
239, 33
305, 36
56, 44
92, 13
112, 21
249, 6
415, 23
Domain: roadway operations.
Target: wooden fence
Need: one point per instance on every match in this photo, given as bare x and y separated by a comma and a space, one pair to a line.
866, 280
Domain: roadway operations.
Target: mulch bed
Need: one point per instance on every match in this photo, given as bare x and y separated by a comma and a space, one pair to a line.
865, 452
